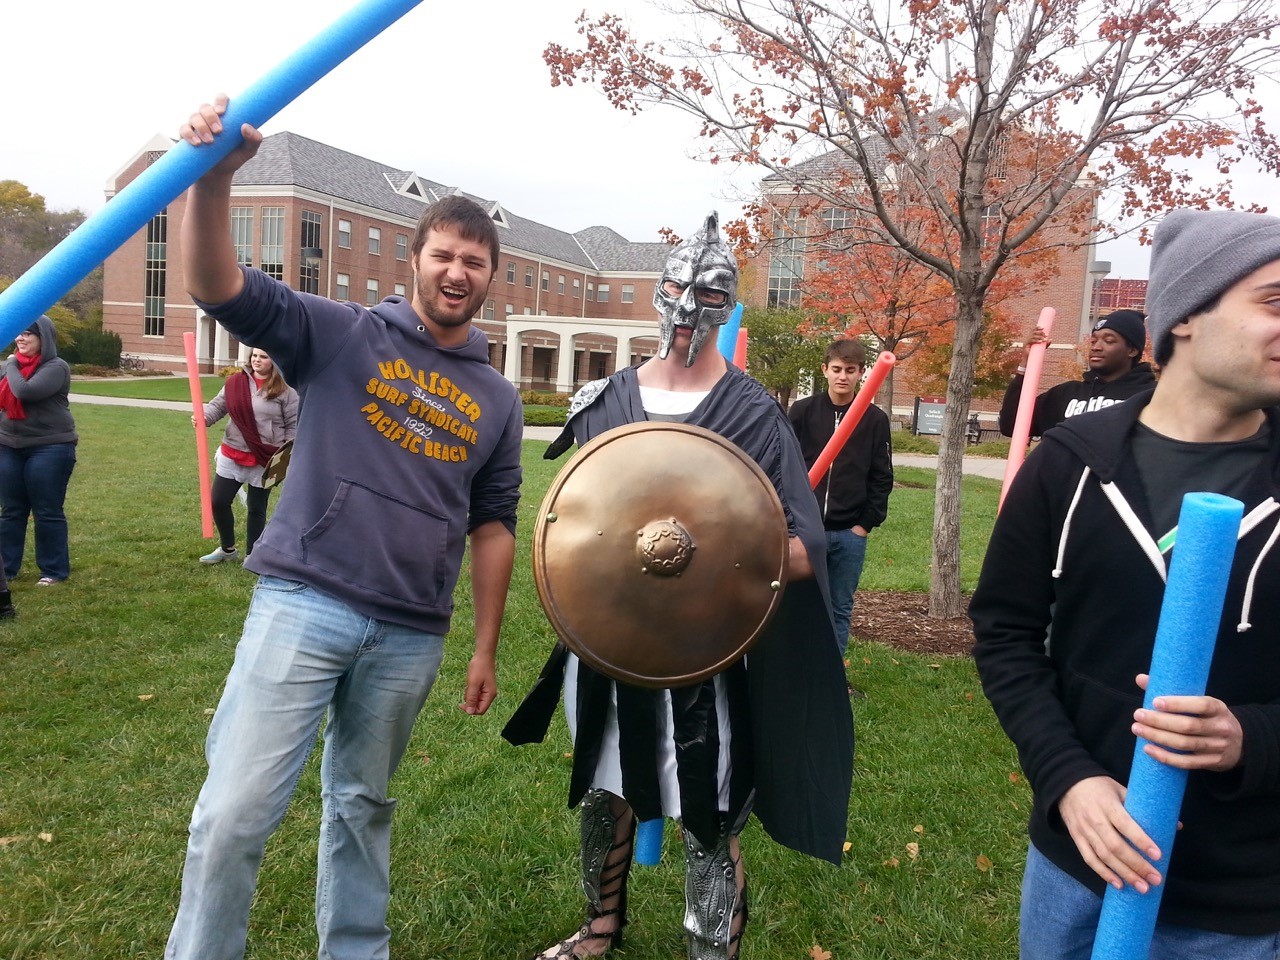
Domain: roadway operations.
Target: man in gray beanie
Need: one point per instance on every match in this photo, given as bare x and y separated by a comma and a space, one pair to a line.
1196, 256
1083, 539
1116, 372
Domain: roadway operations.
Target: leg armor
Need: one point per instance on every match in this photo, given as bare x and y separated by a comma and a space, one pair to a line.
715, 899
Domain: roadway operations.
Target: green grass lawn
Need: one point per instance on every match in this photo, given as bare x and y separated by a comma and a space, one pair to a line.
166, 388
109, 681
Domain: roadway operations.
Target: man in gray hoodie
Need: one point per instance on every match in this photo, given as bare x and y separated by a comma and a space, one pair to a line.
408, 445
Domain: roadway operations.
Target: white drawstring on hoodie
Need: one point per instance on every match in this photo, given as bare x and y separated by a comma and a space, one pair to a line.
1152, 549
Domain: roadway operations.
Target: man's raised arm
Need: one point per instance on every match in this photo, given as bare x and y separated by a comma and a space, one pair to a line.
208, 255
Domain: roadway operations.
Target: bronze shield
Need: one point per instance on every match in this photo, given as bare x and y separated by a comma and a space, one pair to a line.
660, 553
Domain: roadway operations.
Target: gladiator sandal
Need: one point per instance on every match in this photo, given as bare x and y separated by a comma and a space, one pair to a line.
608, 839
715, 896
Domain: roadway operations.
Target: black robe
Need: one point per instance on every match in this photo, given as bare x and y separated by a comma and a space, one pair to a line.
792, 747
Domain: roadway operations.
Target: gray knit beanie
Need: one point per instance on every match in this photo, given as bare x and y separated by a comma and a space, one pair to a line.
1195, 257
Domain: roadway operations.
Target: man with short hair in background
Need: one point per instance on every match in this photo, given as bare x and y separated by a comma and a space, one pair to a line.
854, 494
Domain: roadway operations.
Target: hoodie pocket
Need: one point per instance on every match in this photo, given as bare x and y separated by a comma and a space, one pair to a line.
382, 544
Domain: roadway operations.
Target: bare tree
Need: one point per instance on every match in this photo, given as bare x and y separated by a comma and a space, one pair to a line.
921, 100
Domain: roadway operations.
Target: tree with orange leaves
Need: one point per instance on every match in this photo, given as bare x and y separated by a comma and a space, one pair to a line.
916, 105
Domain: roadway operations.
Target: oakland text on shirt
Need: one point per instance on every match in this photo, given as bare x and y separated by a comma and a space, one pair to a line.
1088, 406
416, 428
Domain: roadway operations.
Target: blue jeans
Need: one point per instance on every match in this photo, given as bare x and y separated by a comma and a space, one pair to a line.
846, 552
1060, 916
303, 653
33, 483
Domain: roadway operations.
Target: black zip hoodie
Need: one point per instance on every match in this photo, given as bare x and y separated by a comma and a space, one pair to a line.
1073, 397
1062, 549
855, 491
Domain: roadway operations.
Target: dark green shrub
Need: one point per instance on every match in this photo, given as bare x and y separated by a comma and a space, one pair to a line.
543, 417
93, 346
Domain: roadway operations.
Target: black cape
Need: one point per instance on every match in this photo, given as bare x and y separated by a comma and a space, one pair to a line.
794, 764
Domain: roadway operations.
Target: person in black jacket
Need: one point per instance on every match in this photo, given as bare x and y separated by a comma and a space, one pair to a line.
1116, 372
854, 495
1083, 539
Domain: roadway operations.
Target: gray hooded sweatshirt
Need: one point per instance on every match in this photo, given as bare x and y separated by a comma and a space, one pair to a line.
44, 397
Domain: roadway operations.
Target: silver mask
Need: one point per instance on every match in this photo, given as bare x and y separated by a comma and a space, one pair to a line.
697, 290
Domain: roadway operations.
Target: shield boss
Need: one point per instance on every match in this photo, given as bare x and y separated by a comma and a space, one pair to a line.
660, 553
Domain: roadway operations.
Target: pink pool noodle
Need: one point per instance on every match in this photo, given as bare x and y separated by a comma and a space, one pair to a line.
1027, 402
740, 350
202, 435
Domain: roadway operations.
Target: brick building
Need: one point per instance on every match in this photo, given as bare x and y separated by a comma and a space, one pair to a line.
1120, 295
802, 232
339, 225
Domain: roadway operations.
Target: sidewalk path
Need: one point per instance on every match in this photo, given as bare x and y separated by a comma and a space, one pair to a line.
973, 466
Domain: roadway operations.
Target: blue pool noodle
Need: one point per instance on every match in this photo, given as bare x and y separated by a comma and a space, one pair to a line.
649, 842
1207, 529
129, 211
727, 338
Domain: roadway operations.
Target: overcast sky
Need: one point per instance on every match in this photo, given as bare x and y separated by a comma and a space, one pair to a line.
456, 92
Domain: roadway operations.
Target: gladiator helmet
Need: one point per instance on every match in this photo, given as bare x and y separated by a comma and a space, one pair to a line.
698, 288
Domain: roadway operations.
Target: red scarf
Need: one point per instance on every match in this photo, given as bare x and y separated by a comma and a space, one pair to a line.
10, 404
240, 408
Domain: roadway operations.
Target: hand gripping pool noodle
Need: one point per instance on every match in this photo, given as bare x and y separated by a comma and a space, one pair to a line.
1027, 403
202, 436
1207, 529
649, 842
727, 338
884, 363
129, 211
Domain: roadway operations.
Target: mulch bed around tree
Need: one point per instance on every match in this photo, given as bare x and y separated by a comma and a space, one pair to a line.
899, 619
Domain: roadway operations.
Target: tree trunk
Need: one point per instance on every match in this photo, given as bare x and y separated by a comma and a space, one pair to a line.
944, 573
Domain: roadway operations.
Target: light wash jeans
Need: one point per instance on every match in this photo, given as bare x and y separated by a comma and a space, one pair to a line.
304, 653
1060, 916
846, 552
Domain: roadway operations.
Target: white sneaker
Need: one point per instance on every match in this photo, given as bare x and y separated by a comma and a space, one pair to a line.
219, 555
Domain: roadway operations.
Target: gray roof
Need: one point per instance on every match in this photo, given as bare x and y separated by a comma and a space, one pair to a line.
287, 159
609, 250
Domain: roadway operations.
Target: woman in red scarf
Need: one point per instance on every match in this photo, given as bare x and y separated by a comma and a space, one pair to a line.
264, 416
37, 453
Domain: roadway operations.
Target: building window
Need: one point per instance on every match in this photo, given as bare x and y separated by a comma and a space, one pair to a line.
528, 311
628, 293
786, 266
546, 281
375, 241
400, 290
242, 234
402, 247
511, 271
488, 309
560, 285
835, 219
154, 274
371, 293
591, 291
309, 270
344, 234
577, 288
343, 286
272, 261
510, 310
602, 293
528, 277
